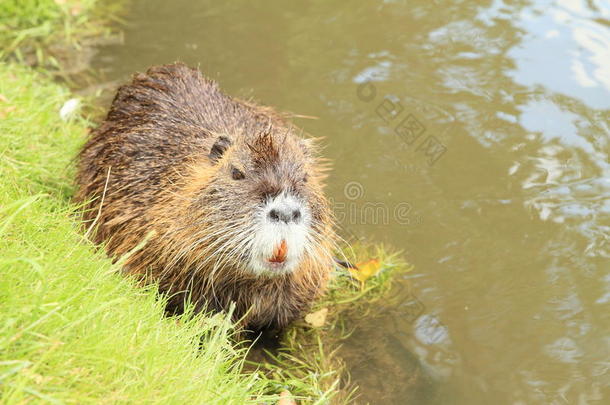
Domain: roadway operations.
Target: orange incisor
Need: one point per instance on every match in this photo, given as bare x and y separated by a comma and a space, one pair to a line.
279, 253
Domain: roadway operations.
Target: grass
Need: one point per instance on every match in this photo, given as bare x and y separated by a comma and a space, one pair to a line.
72, 329
46, 33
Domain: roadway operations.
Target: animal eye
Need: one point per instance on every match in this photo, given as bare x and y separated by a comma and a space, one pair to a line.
237, 174
305, 178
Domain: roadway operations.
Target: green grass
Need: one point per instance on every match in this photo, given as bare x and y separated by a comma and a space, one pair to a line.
45, 33
72, 329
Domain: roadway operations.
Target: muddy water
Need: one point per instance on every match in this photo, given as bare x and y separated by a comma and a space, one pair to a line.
474, 135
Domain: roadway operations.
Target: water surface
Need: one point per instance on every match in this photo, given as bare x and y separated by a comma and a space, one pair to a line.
474, 135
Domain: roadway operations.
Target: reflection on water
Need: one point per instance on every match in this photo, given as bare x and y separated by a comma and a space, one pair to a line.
508, 228
570, 40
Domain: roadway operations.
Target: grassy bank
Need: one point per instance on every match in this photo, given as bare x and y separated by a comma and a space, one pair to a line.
71, 328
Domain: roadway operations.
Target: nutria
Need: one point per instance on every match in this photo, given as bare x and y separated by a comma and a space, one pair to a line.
215, 199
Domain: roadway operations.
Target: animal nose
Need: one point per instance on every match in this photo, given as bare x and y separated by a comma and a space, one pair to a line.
285, 215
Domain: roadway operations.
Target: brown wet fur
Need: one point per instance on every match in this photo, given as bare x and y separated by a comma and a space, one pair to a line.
154, 174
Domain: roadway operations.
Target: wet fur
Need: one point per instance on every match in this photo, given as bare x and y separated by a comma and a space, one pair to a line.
150, 173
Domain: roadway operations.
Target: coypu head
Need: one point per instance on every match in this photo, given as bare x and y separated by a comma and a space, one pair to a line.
263, 203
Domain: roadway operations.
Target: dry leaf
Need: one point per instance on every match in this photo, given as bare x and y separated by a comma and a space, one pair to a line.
286, 399
317, 319
366, 270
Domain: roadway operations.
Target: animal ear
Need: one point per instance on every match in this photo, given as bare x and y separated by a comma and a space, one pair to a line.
219, 148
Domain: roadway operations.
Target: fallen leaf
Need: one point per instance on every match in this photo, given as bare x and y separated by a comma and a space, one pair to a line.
317, 319
286, 399
365, 270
